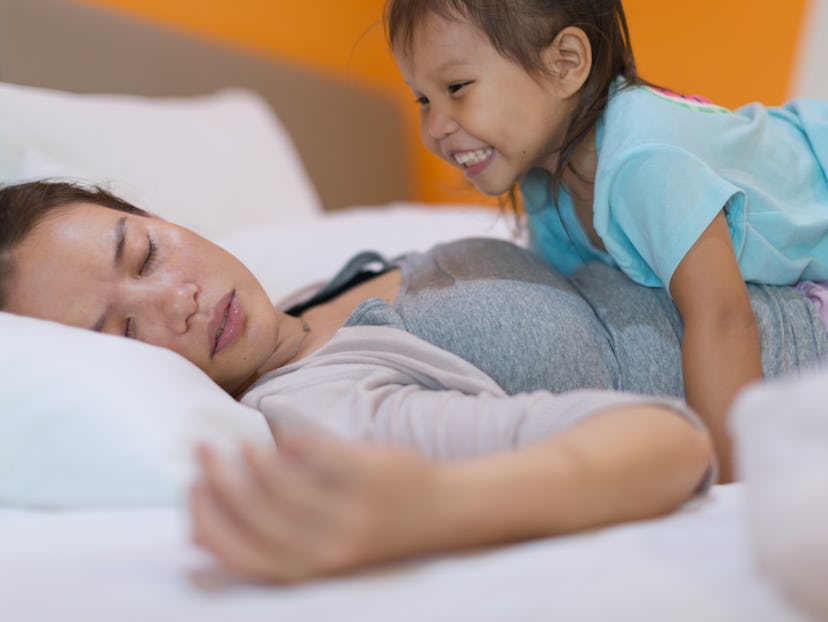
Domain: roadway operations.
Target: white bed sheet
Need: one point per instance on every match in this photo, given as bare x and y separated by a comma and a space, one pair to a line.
126, 565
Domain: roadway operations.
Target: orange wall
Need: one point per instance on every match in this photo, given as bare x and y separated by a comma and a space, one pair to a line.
733, 51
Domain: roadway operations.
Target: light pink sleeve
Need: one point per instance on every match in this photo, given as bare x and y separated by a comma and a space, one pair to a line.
381, 384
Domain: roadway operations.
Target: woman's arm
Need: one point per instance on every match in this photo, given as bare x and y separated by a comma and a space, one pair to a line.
720, 350
322, 506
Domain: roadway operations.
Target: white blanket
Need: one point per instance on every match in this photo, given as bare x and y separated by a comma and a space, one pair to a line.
138, 565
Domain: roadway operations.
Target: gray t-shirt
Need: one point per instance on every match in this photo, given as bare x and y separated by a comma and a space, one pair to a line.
382, 384
502, 309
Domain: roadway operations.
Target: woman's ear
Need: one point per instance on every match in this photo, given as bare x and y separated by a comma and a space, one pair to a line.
569, 59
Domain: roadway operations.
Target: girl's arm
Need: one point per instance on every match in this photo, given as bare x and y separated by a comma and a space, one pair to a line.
720, 350
321, 506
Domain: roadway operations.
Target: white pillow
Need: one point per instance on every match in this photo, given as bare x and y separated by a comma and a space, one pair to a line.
210, 163
780, 430
97, 420
92, 420
287, 258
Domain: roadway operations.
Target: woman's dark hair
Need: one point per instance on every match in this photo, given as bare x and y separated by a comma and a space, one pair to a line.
520, 30
23, 206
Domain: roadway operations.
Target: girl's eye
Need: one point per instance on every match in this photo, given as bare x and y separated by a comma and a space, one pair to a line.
129, 329
152, 248
455, 87
421, 101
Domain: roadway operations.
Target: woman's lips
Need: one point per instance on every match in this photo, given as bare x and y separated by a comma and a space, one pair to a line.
227, 323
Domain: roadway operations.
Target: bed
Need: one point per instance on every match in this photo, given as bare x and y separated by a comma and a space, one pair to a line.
93, 466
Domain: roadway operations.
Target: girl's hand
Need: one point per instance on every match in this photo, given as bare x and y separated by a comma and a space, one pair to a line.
317, 507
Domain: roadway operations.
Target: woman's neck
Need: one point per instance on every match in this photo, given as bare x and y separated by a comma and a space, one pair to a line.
325, 319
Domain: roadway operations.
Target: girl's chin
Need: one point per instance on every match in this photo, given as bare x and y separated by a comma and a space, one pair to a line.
491, 190
486, 184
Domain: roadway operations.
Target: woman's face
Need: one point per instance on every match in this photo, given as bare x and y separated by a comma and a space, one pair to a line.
148, 279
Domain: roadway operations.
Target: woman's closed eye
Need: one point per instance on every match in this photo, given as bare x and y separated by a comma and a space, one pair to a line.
149, 258
146, 266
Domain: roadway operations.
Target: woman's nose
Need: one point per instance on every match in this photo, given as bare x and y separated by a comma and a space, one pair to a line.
170, 305
439, 124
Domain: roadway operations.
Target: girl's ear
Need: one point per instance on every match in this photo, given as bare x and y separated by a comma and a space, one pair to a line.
569, 59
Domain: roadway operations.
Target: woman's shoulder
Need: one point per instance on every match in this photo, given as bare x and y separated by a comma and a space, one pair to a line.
382, 352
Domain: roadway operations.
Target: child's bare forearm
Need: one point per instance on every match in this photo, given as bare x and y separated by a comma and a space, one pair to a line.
719, 359
720, 349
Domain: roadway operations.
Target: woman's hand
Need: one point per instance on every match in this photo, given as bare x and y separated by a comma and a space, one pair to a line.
317, 507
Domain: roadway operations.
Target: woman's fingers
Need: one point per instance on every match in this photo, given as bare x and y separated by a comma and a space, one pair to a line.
318, 506
262, 519
286, 485
284, 520
220, 534
322, 492
384, 495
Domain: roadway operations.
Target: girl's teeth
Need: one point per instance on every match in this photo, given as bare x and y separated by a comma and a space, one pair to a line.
470, 158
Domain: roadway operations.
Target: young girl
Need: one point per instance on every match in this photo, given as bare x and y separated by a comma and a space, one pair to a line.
676, 192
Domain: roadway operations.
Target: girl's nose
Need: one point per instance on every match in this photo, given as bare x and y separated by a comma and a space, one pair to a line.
439, 124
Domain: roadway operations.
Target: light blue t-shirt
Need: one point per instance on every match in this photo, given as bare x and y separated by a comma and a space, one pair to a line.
667, 165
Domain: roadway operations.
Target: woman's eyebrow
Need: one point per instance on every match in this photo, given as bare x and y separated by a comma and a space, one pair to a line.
120, 242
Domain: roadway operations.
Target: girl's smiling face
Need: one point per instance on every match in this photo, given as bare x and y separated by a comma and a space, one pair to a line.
481, 112
93, 267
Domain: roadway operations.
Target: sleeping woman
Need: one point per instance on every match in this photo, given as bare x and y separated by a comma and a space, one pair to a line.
420, 404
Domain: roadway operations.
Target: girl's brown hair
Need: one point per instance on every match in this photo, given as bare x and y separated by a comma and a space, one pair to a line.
23, 206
